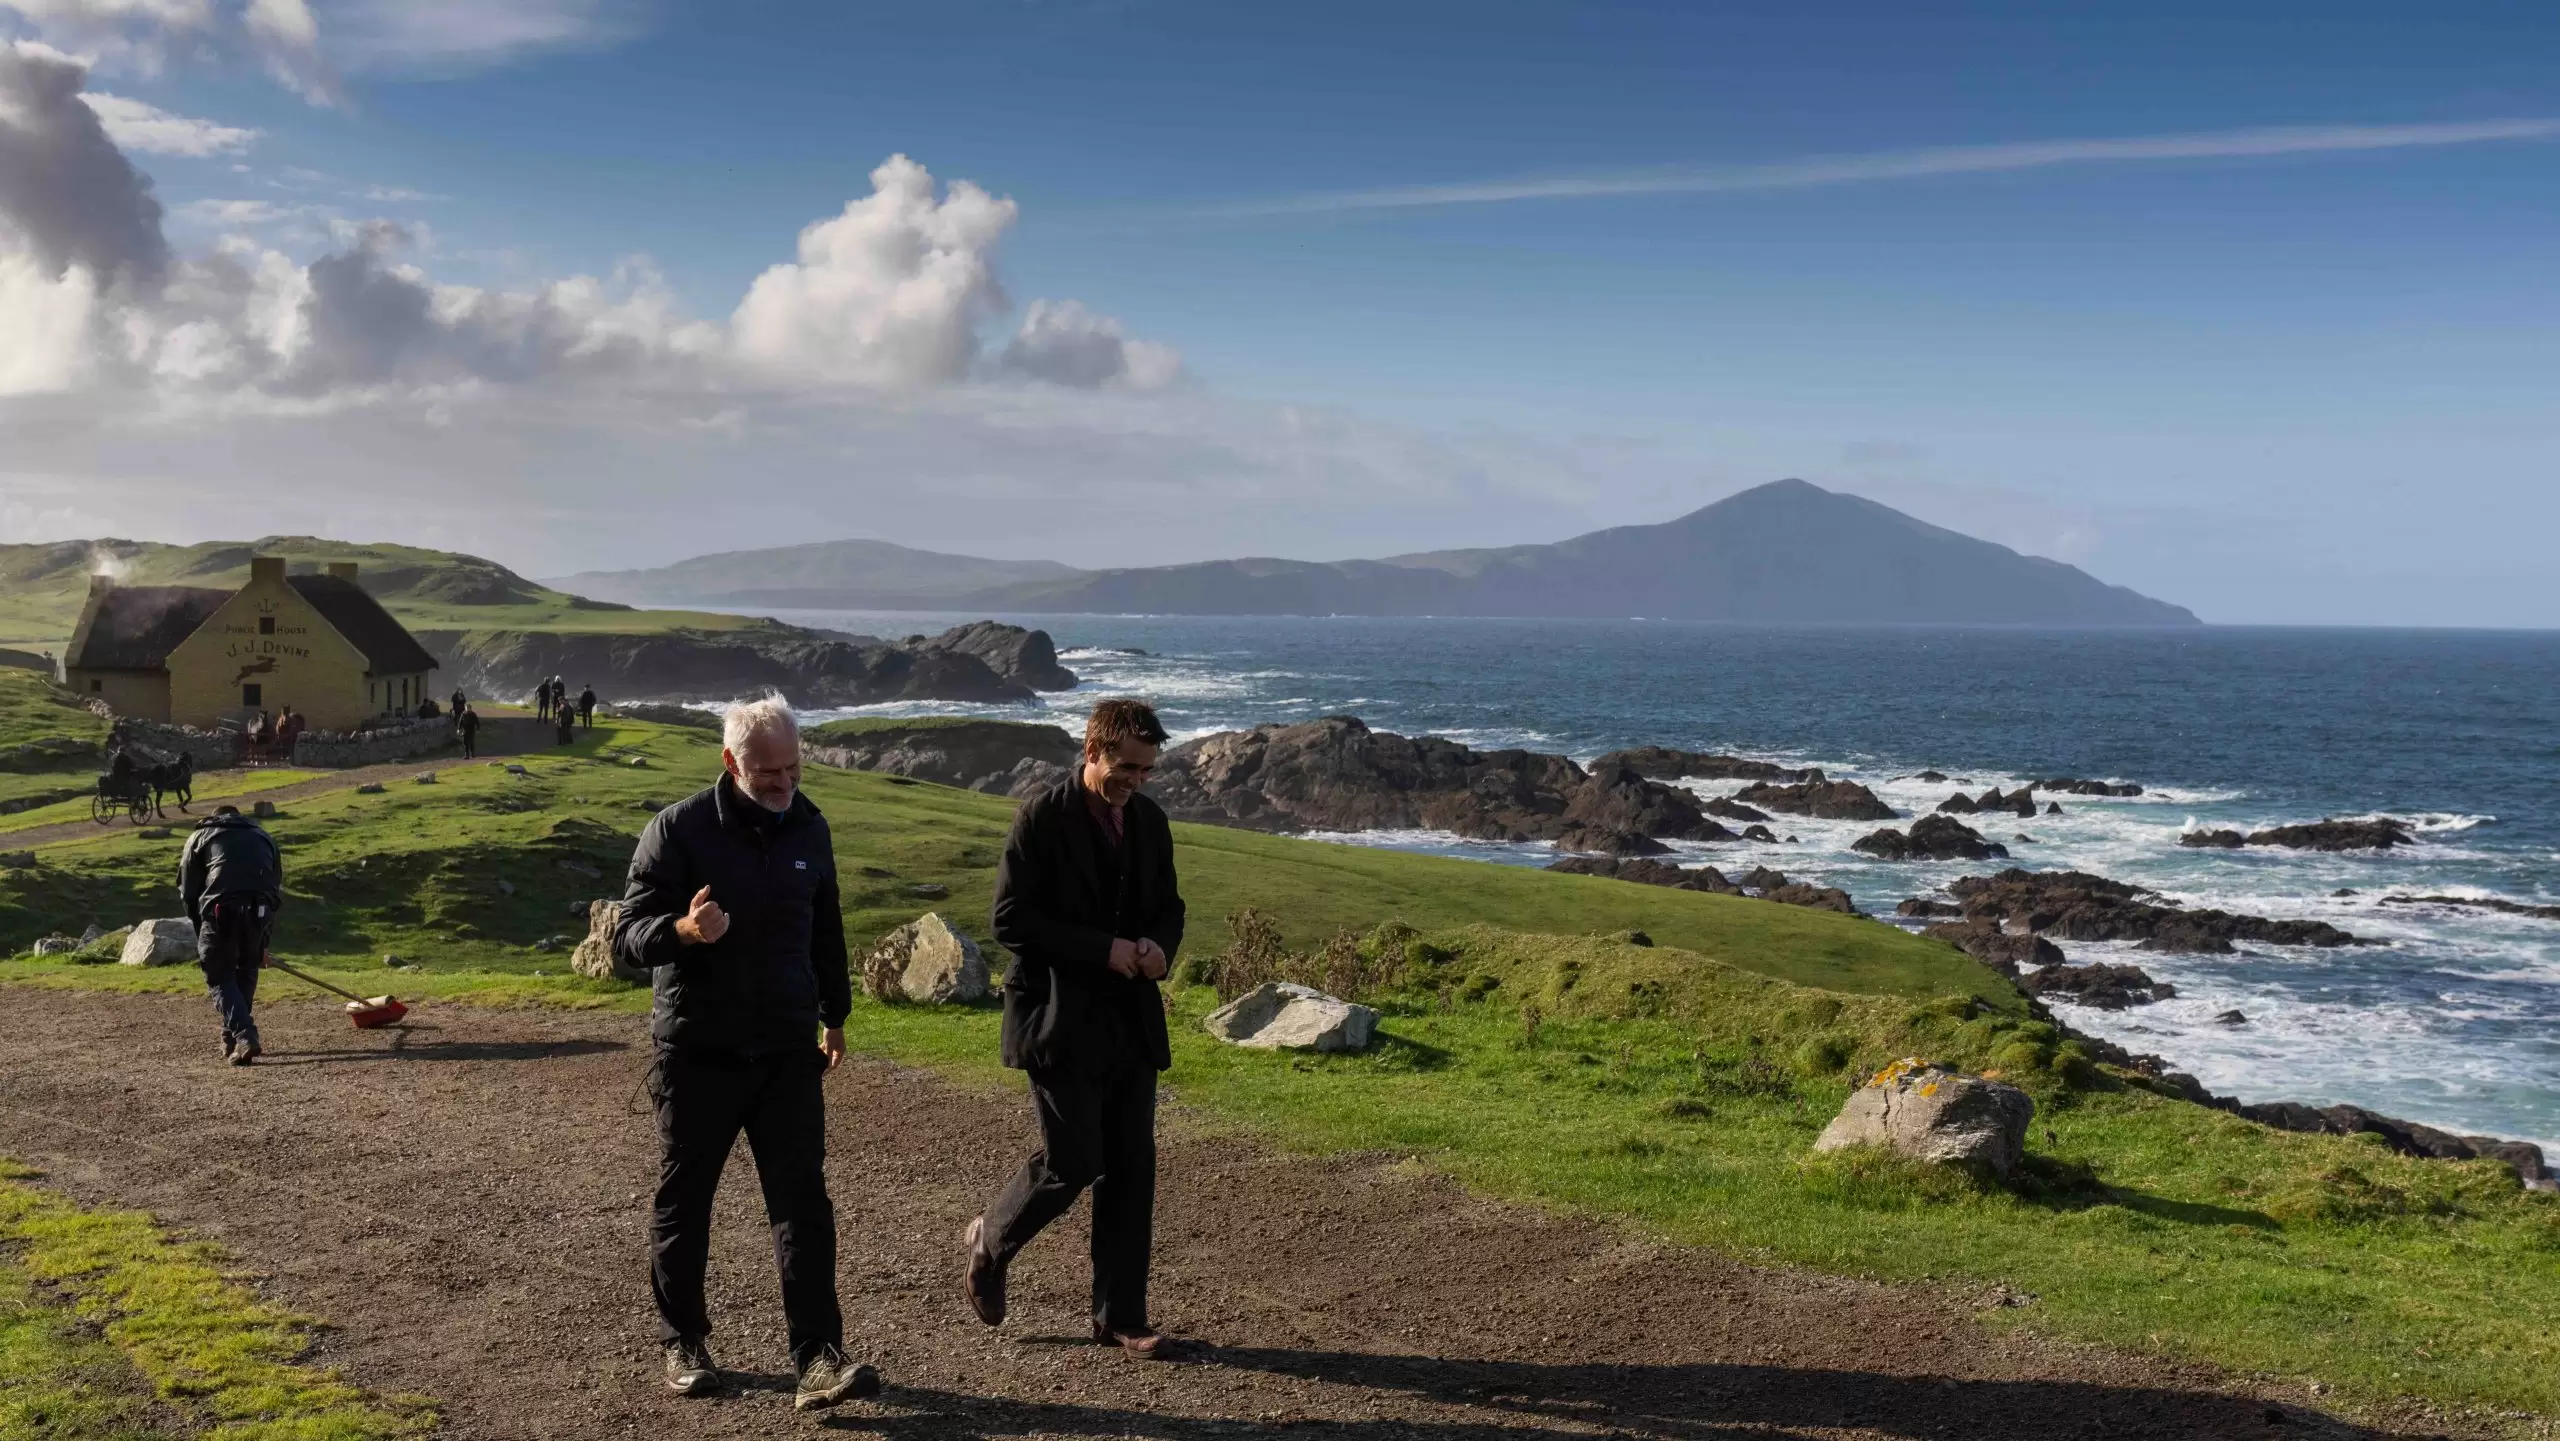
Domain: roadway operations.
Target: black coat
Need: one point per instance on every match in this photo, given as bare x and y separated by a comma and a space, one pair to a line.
779, 972
1059, 905
228, 856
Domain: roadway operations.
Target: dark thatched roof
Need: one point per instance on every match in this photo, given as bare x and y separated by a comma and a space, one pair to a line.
388, 647
136, 626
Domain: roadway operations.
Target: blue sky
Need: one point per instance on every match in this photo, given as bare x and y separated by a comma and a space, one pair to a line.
2308, 385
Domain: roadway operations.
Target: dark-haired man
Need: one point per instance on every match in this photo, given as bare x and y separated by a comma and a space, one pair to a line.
1086, 901
231, 879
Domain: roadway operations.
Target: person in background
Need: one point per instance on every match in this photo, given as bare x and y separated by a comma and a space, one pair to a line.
289, 728
542, 700
564, 723
427, 708
1087, 902
458, 700
231, 880
559, 695
733, 904
587, 707
466, 723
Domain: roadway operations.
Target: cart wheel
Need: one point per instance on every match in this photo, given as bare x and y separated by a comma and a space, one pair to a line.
140, 810
101, 809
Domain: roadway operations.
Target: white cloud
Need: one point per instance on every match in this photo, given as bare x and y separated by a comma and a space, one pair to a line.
1918, 165
461, 36
1062, 342
891, 292
69, 195
146, 36
136, 125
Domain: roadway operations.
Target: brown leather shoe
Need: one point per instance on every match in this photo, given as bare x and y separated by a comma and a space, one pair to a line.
1145, 1345
984, 1279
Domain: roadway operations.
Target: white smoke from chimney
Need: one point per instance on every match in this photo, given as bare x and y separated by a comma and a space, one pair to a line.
108, 564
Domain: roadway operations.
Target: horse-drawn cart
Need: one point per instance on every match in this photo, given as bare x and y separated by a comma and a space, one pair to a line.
138, 783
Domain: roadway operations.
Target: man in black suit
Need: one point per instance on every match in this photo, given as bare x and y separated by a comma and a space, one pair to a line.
1086, 901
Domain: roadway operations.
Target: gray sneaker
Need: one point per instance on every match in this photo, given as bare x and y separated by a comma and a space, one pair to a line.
829, 1378
243, 1052
690, 1369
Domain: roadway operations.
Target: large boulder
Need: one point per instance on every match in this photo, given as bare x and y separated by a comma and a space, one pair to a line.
1931, 1113
160, 943
2102, 986
2074, 786
1025, 657
927, 962
2381, 833
2003, 951
1285, 1016
1933, 838
1822, 799
1336, 774
595, 957
998, 757
2077, 906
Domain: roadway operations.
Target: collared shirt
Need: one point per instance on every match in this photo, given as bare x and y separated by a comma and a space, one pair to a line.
1105, 814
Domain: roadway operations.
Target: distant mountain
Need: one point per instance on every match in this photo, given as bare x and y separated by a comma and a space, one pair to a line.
829, 575
1788, 551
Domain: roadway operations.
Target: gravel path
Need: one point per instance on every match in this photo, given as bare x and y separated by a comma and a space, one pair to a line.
464, 1199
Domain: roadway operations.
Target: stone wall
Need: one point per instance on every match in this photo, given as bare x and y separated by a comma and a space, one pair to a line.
212, 749
378, 746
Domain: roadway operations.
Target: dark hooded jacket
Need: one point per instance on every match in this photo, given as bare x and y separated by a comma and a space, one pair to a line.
779, 973
229, 856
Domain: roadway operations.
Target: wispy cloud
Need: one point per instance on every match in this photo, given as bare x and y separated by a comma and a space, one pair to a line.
1820, 170
150, 130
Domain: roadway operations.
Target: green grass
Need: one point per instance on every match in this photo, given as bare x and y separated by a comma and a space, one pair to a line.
60, 1378
228, 1362
1532, 1052
209, 787
33, 708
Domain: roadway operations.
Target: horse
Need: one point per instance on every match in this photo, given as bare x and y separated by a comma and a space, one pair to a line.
165, 778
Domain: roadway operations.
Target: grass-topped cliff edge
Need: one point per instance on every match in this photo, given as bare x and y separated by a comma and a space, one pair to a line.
1531, 1049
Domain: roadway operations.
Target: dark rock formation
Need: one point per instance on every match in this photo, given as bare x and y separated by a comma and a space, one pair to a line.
1773, 885
665, 715
1582, 839
999, 757
2406, 1137
2484, 903
1664, 763
2213, 840
1819, 798
1336, 774
1932, 837
2076, 906
1649, 873
810, 668
1732, 810
1932, 777
2003, 951
1761, 834
2104, 987
2327, 835
1025, 657
2231, 1018
2053, 808
1924, 907
2070, 786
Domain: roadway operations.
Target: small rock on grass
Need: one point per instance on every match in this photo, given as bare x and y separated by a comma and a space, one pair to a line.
156, 833
1930, 1113
426, 778
1282, 1015
263, 810
929, 890
369, 788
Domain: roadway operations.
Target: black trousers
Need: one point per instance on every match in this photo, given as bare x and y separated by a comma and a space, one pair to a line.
231, 944
1097, 1129
704, 1099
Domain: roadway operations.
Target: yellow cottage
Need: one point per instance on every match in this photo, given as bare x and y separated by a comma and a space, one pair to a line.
317, 643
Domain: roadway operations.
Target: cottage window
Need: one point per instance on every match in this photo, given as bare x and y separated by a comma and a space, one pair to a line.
96, 685
251, 695
266, 625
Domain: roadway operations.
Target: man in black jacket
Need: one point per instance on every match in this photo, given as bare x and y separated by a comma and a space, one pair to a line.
1086, 901
732, 902
231, 880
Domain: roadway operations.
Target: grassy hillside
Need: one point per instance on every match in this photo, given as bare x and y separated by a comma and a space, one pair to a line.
42, 586
1532, 1049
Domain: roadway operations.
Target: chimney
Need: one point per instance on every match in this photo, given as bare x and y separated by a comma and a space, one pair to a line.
100, 583
343, 570
266, 569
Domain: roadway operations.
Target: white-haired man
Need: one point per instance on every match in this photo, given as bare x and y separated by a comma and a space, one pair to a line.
732, 903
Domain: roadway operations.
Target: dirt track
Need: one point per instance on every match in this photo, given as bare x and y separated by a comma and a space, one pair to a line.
465, 1200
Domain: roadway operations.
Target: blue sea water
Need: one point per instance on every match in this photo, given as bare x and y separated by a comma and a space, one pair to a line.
2454, 1021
